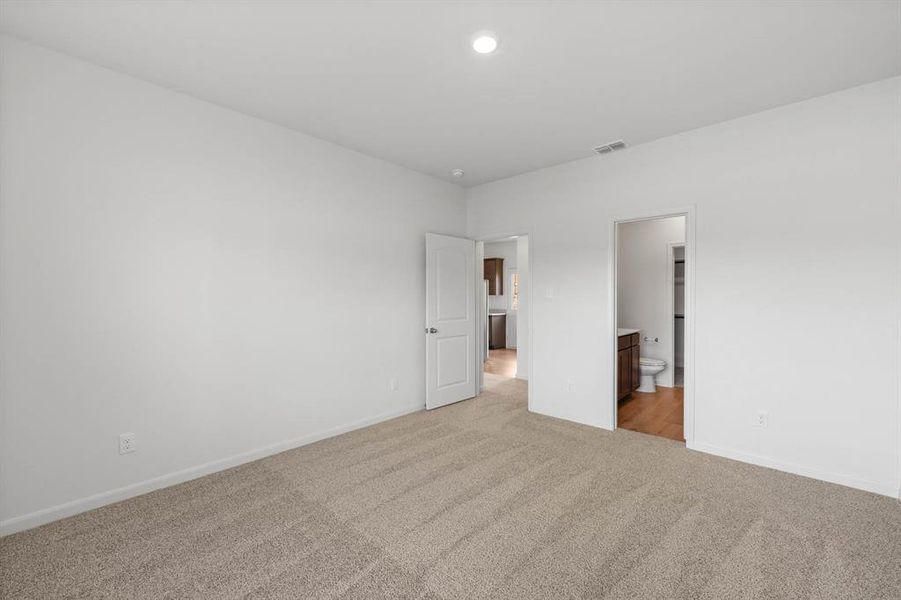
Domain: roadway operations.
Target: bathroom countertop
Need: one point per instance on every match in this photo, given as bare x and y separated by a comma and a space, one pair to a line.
620, 332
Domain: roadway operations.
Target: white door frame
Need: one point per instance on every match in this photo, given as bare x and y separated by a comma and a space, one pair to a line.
480, 355
689, 350
671, 301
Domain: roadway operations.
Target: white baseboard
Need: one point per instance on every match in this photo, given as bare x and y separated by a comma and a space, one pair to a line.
74, 507
885, 488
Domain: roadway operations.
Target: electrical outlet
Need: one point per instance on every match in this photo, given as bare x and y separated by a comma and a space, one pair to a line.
393, 385
762, 419
126, 443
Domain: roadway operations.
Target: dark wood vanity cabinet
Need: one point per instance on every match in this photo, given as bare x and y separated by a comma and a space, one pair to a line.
494, 273
635, 365
625, 373
628, 363
497, 331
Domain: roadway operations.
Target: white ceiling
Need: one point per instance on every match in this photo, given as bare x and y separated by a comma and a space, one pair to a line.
398, 80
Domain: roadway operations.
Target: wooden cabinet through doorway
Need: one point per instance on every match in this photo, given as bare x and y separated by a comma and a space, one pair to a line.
497, 331
625, 373
628, 364
494, 273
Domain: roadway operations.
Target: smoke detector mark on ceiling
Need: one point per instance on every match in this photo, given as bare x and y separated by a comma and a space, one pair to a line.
609, 147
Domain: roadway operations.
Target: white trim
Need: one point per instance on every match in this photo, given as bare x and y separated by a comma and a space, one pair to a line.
87, 503
481, 354
885, 488
898, 382
508, 277
689, 346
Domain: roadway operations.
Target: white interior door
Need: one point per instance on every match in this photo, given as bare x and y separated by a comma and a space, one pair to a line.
450, 326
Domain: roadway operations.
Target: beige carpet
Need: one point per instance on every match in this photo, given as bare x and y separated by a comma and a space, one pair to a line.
475, 500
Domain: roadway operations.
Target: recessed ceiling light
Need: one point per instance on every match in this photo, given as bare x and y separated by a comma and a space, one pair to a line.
457, 173
484, 42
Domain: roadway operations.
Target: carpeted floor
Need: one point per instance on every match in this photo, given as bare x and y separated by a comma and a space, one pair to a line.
476, 500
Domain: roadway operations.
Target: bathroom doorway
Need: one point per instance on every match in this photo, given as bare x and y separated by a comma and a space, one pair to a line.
652, 316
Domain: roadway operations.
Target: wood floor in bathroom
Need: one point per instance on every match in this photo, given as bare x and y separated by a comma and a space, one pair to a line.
659, 413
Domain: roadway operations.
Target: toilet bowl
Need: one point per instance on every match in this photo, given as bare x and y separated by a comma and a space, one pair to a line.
649, 368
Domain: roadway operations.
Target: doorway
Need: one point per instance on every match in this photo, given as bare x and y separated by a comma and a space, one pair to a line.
651, 324
503, 263
465, 292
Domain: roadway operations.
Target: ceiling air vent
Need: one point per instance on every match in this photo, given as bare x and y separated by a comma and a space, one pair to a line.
609, 147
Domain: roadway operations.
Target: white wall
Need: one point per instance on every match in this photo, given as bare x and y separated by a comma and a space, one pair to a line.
797, 279
644, 299
522, 319
501, 302
220, 286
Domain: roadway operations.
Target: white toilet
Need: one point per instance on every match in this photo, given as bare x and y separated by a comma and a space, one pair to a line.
649, 367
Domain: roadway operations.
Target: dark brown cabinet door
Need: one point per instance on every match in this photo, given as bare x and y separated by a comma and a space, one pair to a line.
494, 273
490, 276
635, 364
625, 373
497, 333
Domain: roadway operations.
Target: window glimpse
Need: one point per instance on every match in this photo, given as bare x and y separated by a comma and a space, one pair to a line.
514, 297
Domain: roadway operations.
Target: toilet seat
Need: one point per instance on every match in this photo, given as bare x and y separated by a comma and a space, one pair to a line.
651, 362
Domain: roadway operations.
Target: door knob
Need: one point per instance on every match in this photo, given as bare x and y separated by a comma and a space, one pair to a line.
432, 330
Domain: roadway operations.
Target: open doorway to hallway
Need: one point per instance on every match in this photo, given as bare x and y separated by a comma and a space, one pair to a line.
504, 299
650, 309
